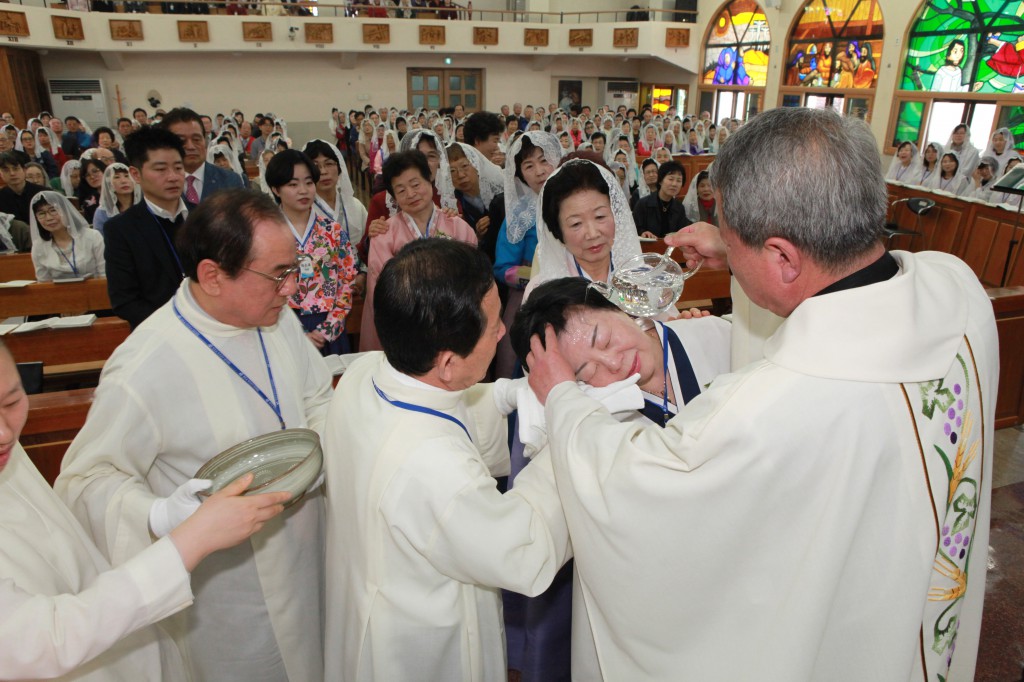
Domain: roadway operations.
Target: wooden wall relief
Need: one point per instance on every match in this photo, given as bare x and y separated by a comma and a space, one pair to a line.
485, 35
193, 32
257, 31
581, 37
677, 37
535, 37
626, 38
320, 33
67, 28
431, 35
376, 34
125, 29
13, 24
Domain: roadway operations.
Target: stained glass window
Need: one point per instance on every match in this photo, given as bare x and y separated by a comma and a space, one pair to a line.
966, 46
837, 44
736, 52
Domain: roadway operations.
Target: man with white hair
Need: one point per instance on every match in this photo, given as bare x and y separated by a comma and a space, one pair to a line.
822, 513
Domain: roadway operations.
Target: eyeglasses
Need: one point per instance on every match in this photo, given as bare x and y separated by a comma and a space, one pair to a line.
281, 280
47, 212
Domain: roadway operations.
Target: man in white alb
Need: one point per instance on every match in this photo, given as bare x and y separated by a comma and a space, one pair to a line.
223, 361
822, 513
419, 539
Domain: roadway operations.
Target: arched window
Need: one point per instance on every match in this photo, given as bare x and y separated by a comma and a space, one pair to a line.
735, 61
963, 62
832, 56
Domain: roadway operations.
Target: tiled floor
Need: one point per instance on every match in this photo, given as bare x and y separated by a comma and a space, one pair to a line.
1001, 655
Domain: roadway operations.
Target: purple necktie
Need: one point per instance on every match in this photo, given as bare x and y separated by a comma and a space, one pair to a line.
191, 196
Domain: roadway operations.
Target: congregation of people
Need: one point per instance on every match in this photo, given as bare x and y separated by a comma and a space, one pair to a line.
520, 480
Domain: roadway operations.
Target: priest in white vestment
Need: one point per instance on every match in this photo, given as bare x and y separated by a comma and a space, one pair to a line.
822, 513
222, 362
419, 539
66, 614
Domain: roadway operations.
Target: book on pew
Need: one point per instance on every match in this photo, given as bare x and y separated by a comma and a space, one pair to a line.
56, 323
1012, 182
6, 328
16, 283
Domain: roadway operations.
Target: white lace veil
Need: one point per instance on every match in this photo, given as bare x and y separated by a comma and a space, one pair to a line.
39, 145
565, 151
443, 177
5, 232
108, 198
969, 155
492, 181
73, 220
690, 200
228, 153
262, 178
895, 171
520, 200
1008, 151
65, 176
343, 189
615, 166
555, 259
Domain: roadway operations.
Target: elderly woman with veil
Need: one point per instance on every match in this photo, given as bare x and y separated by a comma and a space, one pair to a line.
407, 178
63, 244
584, 225
119, 193
530, 160
477, 181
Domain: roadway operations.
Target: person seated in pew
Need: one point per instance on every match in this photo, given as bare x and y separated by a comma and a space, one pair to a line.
14, 235
66, 612
36, 174
18, 192
63, 244
648, 184
983, 176
70, 177
699, 202
120, 192
660, 213
949, 178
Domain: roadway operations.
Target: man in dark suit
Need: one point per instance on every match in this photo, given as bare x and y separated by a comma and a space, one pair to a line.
202, 179
143, 267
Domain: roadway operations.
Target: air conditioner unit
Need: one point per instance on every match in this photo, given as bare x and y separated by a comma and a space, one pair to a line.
615, 93
83, 98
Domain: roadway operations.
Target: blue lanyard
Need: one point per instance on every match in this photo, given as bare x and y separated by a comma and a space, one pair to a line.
274, 405
420, 408
74, 261
167, 239
664, 370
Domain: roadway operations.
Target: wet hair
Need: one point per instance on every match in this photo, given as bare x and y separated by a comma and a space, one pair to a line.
399, 162
553, 303
221, 228
429, 300
572, 178
281, 169
146, 139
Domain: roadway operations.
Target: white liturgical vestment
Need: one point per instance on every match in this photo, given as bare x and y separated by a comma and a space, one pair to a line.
419, 539
166, 404
63, 611
821, 514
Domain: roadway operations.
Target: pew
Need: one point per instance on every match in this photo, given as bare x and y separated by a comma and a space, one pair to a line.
985, 237
48, 298
53, 421
57, 348
16, 266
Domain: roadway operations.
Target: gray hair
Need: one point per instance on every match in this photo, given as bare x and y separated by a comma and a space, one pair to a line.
810, 176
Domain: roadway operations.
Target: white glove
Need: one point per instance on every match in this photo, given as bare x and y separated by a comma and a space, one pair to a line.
167, 513
505, 394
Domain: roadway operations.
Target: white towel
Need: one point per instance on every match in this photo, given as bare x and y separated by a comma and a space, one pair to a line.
621, 399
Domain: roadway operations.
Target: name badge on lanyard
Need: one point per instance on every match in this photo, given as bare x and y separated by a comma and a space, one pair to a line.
306, 266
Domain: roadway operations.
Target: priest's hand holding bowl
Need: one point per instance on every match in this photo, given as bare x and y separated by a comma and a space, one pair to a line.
697, 241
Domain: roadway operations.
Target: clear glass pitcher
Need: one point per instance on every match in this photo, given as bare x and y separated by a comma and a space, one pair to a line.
647, 285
